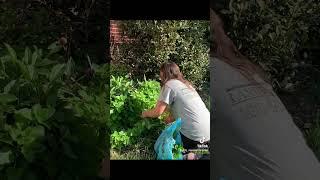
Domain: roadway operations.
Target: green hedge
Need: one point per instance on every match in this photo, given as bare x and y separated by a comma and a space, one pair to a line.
274, 34
155, 42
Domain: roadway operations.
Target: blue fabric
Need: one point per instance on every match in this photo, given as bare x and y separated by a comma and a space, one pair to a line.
166, 141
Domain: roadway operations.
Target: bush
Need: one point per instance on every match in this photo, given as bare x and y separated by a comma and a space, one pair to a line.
128, 100
80, 26
184, 42
274, 33
36, 21
51, 125
313, 136
119, 70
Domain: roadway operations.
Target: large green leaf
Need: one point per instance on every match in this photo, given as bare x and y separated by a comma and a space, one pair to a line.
69, 67
30, 134
43, 71
42, 114
7, 98
45, 62
9, 86
3, 73
24, 70
13, 132
26, 55
5, 139
54, 48
31, 150
56, 72
25, 112
5, 157
34, 57
12, 52
31, 72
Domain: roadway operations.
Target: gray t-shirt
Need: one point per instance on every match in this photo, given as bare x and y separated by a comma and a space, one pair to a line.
185, 103
254, 135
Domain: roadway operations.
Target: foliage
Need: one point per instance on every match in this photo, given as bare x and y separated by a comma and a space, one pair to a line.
79, 25
128, 99
177, 150
313, 136
154, 42
121, 89
49, 122
40, 28
275, 34
119, 70
137, 151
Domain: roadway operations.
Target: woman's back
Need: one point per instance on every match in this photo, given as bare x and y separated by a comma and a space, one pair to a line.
255, 136
186, 103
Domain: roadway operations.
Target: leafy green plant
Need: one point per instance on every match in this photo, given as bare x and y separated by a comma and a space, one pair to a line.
41, 22
119, 70
49, 123
119, 139
128, 99
120, 89
313, 136
177, 150
273, 33
144, 97
32, 27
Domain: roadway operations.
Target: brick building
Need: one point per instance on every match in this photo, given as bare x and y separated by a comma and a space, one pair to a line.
115, 33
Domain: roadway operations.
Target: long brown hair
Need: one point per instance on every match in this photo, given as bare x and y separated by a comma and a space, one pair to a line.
170, 71
224, 49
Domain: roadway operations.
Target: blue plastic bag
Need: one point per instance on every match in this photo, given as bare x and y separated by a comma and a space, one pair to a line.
166, 141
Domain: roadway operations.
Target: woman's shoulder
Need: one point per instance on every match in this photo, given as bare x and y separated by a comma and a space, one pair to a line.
172, 82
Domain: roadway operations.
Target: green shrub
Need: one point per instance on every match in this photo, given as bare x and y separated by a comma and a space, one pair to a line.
184, 42
51, 127
120, 90
119, 70
128, 99
32, 27
82, 24
313, 136
273, 33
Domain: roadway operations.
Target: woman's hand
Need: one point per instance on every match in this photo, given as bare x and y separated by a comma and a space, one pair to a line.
143, 114
169, 119
155, 112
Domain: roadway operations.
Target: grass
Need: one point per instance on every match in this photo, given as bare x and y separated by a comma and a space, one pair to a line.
139, 151
313, 136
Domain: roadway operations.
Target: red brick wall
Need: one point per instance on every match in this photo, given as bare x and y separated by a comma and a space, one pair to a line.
115, 33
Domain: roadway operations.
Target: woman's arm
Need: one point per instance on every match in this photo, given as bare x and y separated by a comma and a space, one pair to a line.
155, 112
